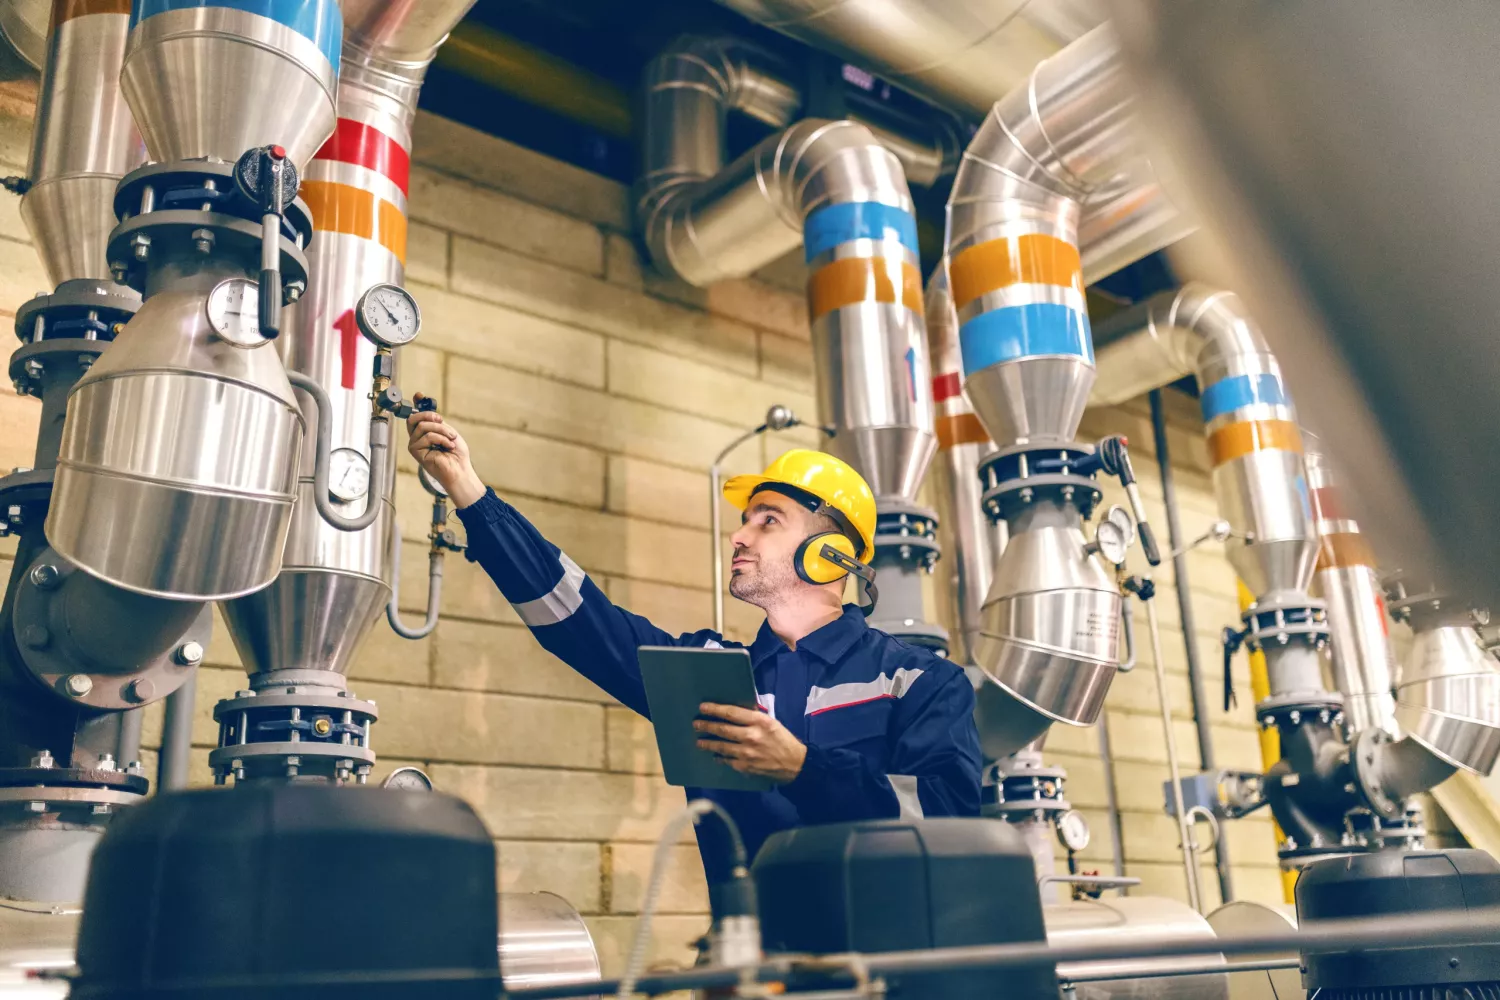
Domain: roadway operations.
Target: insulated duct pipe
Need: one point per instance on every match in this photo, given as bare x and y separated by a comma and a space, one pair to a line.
1016, 276
1364, 664
83, 140
834, 188
976, 541
335, 584
24, 25
1448, 701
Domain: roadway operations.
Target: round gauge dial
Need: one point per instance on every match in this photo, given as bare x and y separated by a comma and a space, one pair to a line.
408, 779
234, 312
430, 484
1120, 516
1111, 542
388, 315
348, 474
1073, 830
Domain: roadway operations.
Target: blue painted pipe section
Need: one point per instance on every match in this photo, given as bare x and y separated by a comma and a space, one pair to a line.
831, 225
318, 20
1236, 391
1024, 331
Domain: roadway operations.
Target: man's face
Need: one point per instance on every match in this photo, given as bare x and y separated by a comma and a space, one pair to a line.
762, 571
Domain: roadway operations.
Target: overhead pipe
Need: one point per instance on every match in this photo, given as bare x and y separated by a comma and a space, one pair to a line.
24, 25
832, 187
1449, 707
1016, 274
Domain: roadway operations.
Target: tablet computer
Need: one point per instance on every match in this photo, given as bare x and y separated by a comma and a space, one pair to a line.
677, 681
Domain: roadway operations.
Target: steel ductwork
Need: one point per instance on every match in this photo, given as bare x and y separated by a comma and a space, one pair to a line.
83, 140
1347, 579
1049, 633
24, 25
334, 584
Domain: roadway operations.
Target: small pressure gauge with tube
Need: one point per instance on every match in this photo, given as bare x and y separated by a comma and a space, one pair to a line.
388, 315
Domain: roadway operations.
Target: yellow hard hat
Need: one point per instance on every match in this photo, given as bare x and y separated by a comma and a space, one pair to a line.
843, 492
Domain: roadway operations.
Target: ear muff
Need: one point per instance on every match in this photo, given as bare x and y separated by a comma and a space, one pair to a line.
816, 567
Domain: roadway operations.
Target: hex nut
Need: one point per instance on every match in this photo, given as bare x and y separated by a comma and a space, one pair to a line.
140, 689
44, 576
77, 685
36, 636
189, 654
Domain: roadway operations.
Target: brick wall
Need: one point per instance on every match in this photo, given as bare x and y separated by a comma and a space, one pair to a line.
595, 393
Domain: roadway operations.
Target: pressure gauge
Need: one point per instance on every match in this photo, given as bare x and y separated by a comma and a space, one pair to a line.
1073, 830
348, 474
234, 312
388, 315
408, 779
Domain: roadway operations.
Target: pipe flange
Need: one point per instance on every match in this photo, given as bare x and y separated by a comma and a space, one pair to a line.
1292, 710
196, 183
42, 635
302, 760
170, 234
77, 778
23, 490
293, 697
1364, 828
1274, 623
81, 309
1365, 756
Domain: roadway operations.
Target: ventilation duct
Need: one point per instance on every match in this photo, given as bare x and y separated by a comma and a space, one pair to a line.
834, 188
955, 55
1347, 580
334, 584
83, 140
1447, 698
1050, 626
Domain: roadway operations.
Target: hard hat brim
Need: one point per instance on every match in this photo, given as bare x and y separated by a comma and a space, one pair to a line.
739, 489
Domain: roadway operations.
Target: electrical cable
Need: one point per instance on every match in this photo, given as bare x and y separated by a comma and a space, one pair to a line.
690, 814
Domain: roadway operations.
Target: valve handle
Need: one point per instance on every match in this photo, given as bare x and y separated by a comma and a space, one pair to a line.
1114, 458
269, 181
1232, 641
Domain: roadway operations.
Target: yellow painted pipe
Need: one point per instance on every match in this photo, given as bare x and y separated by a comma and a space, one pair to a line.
1270, 737
529, 74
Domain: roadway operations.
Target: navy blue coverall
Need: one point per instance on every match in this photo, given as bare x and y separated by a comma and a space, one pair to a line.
889, 728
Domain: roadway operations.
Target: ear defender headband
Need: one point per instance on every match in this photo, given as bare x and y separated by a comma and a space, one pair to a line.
828, 556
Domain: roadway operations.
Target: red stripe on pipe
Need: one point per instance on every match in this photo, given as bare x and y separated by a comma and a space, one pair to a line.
946, 386
366, 146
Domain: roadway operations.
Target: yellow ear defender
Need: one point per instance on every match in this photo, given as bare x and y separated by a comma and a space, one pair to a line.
828, 557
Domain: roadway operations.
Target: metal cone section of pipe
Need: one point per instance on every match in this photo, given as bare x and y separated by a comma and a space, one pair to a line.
213, 78
975, 540
178, 466
1346, 578
356, 187
1048, 640
1448, 691
83, 140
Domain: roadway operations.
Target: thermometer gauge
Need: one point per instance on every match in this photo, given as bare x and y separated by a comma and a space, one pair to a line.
348, 474
234, 312
388, 315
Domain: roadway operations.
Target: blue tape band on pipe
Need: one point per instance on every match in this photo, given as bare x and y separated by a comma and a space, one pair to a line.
1024, 331
1236, 391
321, 21
831, 225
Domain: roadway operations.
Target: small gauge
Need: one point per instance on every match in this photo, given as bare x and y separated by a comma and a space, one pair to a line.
348, 474
234, 312
1073, 830
408, 779
1111, 542
388, 315
431, 485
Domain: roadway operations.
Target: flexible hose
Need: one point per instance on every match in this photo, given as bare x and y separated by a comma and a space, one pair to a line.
659, 860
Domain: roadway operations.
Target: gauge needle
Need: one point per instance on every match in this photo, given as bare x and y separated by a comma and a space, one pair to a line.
394, 320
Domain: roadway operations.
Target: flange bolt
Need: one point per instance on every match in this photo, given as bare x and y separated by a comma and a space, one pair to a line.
78, 685
189, 654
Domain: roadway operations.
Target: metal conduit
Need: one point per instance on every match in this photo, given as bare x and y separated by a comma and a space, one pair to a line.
1201, 719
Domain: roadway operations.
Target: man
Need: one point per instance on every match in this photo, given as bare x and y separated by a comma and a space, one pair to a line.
853, 723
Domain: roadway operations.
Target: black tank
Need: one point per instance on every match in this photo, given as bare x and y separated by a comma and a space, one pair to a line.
894, 885
291, 890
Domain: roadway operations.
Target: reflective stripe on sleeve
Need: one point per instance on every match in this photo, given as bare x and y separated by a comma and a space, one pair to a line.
560, 602
905, 787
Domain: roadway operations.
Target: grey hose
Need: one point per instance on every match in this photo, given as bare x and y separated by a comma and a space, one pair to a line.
380, 448
434, 590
